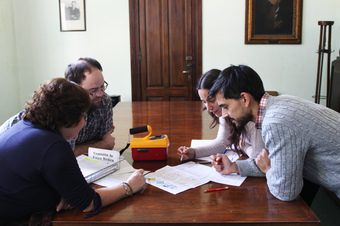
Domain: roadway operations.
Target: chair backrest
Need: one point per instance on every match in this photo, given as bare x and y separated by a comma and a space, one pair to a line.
272, 93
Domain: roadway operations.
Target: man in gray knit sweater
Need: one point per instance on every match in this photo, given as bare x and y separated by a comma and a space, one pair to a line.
302, 138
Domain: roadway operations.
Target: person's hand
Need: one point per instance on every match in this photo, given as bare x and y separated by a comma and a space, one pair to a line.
186, 153
63, 205
223, 165
137, 180
108, 139
263, 161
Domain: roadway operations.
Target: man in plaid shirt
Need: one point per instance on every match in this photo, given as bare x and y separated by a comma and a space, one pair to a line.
87, 72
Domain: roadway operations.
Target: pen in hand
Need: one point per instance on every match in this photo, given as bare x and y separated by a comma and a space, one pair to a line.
226, 149
218, 162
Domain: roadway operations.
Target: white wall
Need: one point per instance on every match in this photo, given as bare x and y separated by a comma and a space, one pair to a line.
36, 50
44, 51
288, 69
33, 49
9, 88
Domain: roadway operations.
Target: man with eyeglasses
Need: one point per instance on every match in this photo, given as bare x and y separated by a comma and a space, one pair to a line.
87, 72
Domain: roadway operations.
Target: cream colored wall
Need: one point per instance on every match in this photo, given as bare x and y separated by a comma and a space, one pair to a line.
45, 51
36, 50
288, 69
9, 88
33, 49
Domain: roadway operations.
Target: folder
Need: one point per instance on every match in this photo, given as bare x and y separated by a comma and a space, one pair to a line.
93, 169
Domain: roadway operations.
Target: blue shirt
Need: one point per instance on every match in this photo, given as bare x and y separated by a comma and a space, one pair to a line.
38, 167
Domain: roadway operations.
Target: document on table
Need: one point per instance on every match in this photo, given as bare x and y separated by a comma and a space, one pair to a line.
210, 173
174, 180
121, 175
189, 175
197, 143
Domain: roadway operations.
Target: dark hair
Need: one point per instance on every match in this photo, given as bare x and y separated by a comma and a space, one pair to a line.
234, 80
57, 103
231, 82
75, 71
206, 81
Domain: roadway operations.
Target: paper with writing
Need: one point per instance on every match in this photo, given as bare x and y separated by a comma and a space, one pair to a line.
104, 155
176, 179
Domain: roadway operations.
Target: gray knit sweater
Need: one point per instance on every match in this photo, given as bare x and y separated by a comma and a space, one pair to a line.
303, 140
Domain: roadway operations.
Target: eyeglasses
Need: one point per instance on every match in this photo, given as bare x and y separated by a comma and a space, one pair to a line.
101, 89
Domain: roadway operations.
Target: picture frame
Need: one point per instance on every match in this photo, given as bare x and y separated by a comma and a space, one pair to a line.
273, 22
72, 15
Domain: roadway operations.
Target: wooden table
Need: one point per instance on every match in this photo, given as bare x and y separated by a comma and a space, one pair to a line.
251, 203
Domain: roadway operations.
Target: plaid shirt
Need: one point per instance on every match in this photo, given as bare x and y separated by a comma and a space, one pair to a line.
10, 122
262, 107
98, 121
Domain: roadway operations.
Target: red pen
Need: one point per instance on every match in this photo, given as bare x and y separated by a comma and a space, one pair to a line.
220, 160
216, 189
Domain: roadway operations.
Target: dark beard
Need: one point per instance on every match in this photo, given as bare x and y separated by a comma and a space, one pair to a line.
243, 121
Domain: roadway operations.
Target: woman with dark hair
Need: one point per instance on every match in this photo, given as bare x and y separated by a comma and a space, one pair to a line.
39, 171
245, 142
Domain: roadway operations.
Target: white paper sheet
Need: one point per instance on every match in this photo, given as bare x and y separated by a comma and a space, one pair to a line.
196, 143
121, 175
211, 174
182, 177
232, 179
174, 180
103, 154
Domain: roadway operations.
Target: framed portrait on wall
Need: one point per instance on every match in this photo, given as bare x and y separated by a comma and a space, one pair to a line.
72, 15
273, 22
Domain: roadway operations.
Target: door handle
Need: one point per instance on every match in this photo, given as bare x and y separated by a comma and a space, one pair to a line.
188, 74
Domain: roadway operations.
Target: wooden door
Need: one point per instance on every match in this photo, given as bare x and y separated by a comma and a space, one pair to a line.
166, 49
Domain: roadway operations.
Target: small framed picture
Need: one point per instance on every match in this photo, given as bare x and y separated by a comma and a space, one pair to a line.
72, 15
273, 22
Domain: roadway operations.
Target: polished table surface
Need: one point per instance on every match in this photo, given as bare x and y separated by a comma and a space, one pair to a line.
182, 121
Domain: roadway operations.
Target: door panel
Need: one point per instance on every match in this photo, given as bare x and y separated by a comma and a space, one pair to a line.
169, 55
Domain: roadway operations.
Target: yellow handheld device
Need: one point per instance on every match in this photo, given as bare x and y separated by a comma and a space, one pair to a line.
149, 148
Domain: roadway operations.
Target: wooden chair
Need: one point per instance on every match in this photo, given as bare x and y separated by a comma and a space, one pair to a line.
272, 93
